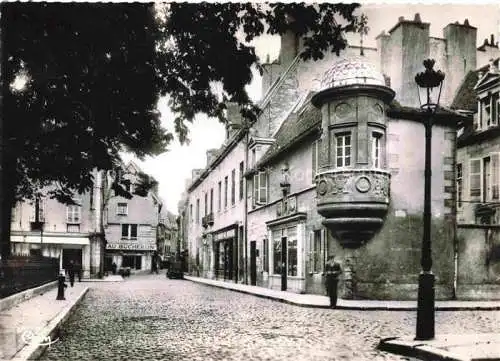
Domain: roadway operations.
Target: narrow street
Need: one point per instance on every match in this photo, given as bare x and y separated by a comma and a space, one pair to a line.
150, 317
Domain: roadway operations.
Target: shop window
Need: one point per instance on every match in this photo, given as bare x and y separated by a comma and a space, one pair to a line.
277, 255
288, 235
132, 261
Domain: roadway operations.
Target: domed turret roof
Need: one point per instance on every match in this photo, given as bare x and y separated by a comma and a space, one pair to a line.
351, 71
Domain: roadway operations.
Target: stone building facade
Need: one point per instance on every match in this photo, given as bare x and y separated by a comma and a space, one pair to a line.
302, 205
215, 209
477, 185
130, 227
74, 232
67, 232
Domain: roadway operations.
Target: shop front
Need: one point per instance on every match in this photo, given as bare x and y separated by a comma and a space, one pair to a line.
66, 248
286, 259
135, 255
225, 249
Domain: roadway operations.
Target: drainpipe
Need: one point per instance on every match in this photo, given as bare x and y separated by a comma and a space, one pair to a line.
245, 231
455, 261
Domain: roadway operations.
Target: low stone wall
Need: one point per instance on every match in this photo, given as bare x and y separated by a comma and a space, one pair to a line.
485, 291
11, 301
398, 291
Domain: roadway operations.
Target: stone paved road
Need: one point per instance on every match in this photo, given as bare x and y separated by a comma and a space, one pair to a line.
154, 318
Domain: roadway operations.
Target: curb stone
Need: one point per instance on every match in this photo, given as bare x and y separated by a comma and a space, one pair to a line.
420, 351
298, 303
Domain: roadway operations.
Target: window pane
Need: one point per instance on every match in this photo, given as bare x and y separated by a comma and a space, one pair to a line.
475, 166
125, 230
475, 186
292, 257
347, 161
277, 256
133, 230
347, 139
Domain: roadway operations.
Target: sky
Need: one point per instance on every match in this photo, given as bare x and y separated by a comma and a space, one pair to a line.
172, 168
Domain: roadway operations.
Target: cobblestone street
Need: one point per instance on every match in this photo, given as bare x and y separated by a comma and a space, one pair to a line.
154, 318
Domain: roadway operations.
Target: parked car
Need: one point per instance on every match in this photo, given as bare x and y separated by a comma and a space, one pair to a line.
124, 272
175, 270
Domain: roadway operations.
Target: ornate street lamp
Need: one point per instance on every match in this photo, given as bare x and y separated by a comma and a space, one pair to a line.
430, 83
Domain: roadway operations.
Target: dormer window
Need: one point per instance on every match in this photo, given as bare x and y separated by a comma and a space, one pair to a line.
488, 111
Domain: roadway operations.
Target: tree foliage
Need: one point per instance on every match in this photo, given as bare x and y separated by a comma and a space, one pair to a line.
211, 43
94, 73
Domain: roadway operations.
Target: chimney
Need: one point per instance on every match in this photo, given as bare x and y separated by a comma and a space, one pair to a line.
289, 48
492, 40
234, 119
195, 173
417, 18
493, 68
211, 154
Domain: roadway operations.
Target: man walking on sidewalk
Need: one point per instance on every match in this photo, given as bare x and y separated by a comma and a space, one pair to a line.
332, 271
70, 268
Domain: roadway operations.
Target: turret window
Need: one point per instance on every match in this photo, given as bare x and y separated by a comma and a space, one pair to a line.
343, 149
376, 141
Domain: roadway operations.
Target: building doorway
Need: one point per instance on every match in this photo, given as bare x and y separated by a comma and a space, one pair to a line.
284, 274
71, 254
253, 263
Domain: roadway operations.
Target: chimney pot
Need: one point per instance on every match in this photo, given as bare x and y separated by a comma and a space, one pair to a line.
417, 18
492, 40
401, 18
466, 22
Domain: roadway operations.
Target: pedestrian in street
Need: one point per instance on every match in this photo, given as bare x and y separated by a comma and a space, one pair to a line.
113, 268
70, 268
79, 271
332, 271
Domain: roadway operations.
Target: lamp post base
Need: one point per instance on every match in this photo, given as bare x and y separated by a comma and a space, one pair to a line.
425, 307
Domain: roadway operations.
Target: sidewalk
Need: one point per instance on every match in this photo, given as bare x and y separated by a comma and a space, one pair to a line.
474, 347
28, 327
319, 301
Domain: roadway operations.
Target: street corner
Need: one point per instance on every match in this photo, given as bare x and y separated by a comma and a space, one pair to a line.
449, 347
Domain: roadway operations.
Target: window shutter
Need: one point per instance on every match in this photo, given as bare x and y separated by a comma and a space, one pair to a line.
314, 159
311, 251
494, 176
324, 248
262, 187
475, 179
256, 188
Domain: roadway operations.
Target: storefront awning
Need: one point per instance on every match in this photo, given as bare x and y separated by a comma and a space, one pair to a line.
50, 239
